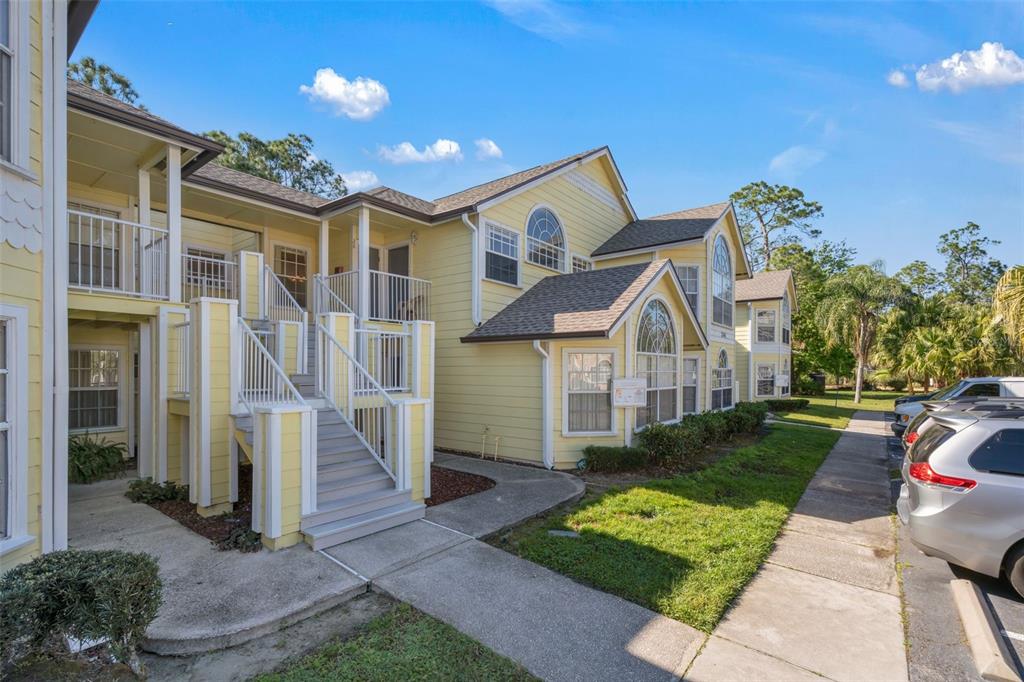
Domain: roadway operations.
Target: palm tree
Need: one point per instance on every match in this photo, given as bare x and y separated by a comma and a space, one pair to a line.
852, 305
103, 78
1008, 305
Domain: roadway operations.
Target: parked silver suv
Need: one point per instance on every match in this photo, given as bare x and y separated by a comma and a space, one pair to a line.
963, 490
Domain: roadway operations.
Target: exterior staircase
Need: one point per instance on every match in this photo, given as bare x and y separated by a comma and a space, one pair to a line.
355, 495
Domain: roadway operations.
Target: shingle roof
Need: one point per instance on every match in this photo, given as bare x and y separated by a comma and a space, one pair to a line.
763, 286
214, 175
581, 304
669, 228
393, 196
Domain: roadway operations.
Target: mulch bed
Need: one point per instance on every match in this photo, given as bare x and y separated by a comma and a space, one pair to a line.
218, 529
447, 485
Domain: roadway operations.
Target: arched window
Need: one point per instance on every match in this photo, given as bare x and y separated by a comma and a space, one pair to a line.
545, 240
721, 383
721, 283
656, 361
786, 319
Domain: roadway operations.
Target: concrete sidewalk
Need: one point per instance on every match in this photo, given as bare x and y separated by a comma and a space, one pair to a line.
826, 603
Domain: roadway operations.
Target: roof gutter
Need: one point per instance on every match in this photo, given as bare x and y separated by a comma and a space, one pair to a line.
545, 388
474, 259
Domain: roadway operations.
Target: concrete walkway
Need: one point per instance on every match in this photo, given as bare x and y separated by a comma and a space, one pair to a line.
826, 603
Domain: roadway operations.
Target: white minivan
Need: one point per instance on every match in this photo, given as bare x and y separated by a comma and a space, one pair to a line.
993, 387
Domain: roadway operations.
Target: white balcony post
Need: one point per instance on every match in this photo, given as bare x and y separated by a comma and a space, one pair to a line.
363, 310
145, 217
174, 222
324, 244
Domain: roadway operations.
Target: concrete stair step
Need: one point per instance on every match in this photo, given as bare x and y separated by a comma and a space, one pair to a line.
336, 532
336, 490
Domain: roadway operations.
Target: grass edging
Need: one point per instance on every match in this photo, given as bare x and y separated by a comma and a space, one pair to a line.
684, 546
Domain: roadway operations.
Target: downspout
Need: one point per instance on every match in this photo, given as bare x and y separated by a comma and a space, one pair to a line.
475, 269
545, 388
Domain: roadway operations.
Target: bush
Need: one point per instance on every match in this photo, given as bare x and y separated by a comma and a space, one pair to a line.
147, 491
91, 459
748, 417
787, 405
808, 386
605, 458
88, 595
661, 441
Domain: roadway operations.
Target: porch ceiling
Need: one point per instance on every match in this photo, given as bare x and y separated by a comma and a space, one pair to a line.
384, 220
239, 210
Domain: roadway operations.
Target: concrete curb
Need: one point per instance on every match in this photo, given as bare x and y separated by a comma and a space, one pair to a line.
988, 648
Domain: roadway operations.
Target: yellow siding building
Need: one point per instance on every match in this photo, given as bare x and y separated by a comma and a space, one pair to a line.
764, 324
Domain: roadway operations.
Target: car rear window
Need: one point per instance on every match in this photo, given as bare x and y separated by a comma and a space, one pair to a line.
1002, 453
987, 390
926, 444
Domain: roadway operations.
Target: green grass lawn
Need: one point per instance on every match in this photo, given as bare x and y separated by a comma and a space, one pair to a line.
683, 546
836, 408
404, 644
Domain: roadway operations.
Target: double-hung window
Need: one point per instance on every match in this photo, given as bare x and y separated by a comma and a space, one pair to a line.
5, 431
14, 479
765, 380
765, 326
691, 369
784, 387
689, 277
95, 383
502, 249
94, 246
721, 383
588, 386
656, 361
545, 240
581, 264
7, 71
787, 320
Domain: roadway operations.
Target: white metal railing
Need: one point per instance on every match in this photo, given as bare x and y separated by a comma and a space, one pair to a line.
386, 356
362, 402
281, 305
183, 338
262, 381
398, 298
213, 277
325, 296
111, 255
344, 290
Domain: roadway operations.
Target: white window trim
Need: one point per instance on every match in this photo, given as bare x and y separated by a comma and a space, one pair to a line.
566, 258
519, 253
20, 81
700, 271
757, 379
677, 335
17, 401
731, 387
121, 386
758, 325
696, 402
585, 259
566, 433
711, 284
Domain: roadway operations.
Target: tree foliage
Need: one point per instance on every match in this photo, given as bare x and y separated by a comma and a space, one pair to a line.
1008, 306
773, 216
920, 278
970, 274
105, 79
288, 161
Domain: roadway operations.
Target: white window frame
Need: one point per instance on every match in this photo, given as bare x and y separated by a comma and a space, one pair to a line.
696, 304
564, 249
566, 352
19, 51
676, 336
16, 319
122, 352
588, 264
274, 246
758, 380
731, 289
786, 371
505, 231
695, 385
787, 321
720, 374
758, 325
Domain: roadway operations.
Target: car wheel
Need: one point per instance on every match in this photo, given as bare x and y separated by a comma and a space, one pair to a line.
1015, 568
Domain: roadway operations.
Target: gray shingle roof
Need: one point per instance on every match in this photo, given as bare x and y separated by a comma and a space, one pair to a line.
763, 286
581, 304
669, 228
214, 174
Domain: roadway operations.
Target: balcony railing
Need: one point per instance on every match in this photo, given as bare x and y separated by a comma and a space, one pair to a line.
387, 356
110, 255
393, 298
212, 277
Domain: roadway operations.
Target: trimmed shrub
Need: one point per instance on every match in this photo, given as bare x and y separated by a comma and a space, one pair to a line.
808, 386
606, 458
88, 595
661, 441
787, 405
92, 459
147, 491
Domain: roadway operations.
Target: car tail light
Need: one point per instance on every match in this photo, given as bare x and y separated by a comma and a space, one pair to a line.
922, 471
911, 437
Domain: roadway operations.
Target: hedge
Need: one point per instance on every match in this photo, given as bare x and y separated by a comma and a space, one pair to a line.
106, 595
608, 458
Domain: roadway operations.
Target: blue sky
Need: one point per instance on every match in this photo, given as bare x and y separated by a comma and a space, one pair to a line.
694, 99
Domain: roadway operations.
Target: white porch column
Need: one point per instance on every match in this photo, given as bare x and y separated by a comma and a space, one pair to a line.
145, 217
364, 263
174, 222
324, 245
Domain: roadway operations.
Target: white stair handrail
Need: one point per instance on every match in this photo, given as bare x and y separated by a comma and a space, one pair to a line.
263, 381
325, 300
281, 305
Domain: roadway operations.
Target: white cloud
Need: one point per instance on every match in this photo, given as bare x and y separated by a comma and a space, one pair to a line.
897, 79
796, 160
993, 65
405, 152
360, 99
356, 181
548, 19
487, 149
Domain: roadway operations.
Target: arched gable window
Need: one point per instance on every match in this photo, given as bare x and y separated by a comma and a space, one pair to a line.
657, 362
721, 382
545, 240
721, 283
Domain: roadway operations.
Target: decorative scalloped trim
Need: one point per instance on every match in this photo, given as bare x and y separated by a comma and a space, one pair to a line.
21, 214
